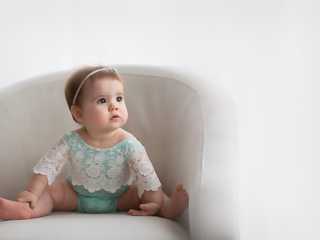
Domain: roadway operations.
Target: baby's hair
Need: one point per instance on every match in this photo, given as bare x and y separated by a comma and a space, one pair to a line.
76, 78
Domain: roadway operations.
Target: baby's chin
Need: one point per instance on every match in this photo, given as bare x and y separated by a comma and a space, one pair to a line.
113, 127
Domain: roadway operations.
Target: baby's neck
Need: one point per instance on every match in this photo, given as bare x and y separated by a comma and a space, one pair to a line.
98, 137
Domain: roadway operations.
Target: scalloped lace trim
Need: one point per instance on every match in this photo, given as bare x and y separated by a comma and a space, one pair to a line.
145, 176
53, 161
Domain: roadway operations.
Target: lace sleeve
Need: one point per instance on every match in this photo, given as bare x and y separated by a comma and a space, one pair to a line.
143, 171
53, 161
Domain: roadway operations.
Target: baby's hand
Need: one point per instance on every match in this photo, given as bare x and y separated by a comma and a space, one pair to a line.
29, 197
148, 209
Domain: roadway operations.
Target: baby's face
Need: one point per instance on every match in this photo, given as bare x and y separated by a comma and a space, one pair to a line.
103, 99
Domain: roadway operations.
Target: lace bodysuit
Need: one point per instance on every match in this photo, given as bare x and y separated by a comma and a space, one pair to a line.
99, 169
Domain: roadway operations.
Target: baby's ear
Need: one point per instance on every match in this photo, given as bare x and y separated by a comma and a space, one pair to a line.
77, 113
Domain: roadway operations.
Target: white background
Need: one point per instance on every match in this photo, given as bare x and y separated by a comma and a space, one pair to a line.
266, 53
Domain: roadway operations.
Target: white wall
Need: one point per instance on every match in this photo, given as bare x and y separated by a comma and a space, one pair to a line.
35, 38
266, 53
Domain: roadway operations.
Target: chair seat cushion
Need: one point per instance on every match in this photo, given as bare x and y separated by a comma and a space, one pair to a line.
74, 225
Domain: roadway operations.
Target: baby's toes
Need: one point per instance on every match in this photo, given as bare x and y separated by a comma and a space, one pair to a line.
179, 187
184, 197
183, 190
184, 193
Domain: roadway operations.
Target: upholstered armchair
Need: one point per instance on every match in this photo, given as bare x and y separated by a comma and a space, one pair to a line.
188, 125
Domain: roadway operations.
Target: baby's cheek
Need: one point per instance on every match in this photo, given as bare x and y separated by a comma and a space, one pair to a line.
123, 114
97, 119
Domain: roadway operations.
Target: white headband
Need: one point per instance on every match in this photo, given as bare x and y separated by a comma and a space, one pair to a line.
89, 75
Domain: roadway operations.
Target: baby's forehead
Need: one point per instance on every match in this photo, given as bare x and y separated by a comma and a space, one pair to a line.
104, 87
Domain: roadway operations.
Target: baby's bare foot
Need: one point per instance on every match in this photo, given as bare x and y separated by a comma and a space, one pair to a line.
10, 210
178, 202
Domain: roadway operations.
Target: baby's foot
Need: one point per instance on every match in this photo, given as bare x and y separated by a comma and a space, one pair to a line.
10, 210
178, 202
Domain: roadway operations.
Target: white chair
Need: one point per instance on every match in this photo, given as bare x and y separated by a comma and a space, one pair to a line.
188, 125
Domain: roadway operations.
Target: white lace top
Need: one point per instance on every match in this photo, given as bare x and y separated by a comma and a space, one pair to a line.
97, 169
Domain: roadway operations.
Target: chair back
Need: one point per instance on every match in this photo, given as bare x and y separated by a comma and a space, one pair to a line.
164, 114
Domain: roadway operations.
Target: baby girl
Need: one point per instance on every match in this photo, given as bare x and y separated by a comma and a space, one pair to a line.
109, 169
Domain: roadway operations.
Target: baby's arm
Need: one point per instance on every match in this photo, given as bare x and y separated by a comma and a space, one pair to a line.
149, 186
45, 172
36, 186
152, 201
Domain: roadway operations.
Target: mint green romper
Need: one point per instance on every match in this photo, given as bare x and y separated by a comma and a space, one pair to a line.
99, 176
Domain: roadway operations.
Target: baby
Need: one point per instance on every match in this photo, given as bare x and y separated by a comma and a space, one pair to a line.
109, 169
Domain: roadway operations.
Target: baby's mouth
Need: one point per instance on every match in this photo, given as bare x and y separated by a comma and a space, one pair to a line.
114, 116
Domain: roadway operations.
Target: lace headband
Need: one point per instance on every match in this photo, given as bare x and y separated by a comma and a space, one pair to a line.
89, 75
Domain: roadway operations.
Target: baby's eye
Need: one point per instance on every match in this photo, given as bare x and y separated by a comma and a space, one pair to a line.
103, 100
118, 99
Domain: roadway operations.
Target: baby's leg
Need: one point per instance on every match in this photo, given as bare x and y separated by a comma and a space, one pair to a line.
59, 196
129, 200
63, 198
174, 206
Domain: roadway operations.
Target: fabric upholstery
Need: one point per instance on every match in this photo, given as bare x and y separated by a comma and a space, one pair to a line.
188, 125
